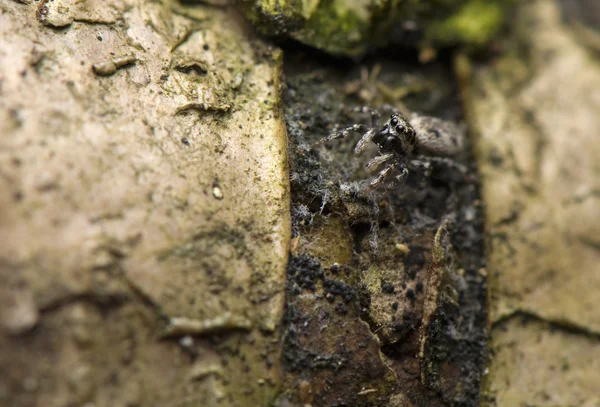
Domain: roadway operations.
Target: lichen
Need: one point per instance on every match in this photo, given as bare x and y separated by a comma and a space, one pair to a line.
474, 24
349, 27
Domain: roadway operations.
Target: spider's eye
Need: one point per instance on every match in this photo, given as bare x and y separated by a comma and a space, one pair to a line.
394, 121
400, 129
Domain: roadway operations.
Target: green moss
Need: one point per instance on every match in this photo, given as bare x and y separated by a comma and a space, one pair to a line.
337, 28
474, 24
352, 27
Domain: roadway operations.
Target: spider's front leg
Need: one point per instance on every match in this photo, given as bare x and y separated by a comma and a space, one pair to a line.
398, 178
384, 175
365, 140
338, 134
376, 162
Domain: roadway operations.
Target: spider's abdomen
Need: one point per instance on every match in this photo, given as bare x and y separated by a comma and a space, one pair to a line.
437, 137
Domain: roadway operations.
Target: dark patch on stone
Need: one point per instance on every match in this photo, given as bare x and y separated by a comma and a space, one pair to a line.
387, 287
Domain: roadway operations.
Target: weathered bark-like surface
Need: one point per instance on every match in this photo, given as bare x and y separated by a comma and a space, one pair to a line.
535, 113
385, 300
144, 206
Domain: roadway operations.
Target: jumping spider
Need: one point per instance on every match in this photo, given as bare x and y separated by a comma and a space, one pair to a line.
422, 141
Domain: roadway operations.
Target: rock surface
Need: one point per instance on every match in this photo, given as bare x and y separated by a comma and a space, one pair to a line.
144, 206
534, 112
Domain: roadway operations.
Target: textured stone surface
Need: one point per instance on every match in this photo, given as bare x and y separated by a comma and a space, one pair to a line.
536, 364
143, 193
535, 115
534, 112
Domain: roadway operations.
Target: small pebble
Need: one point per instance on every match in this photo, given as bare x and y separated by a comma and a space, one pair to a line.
217, 192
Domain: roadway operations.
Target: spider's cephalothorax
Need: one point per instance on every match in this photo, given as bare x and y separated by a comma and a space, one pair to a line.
423, 140
396, 136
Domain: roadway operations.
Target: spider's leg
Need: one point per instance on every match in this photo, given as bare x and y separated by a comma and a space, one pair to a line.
446, 162
374, 113
343, 133
389, 109
376, 162
398, 178
365, 140
380, 179
422, 164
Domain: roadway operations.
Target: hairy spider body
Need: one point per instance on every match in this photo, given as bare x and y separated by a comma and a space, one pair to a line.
438, 137
423, 140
